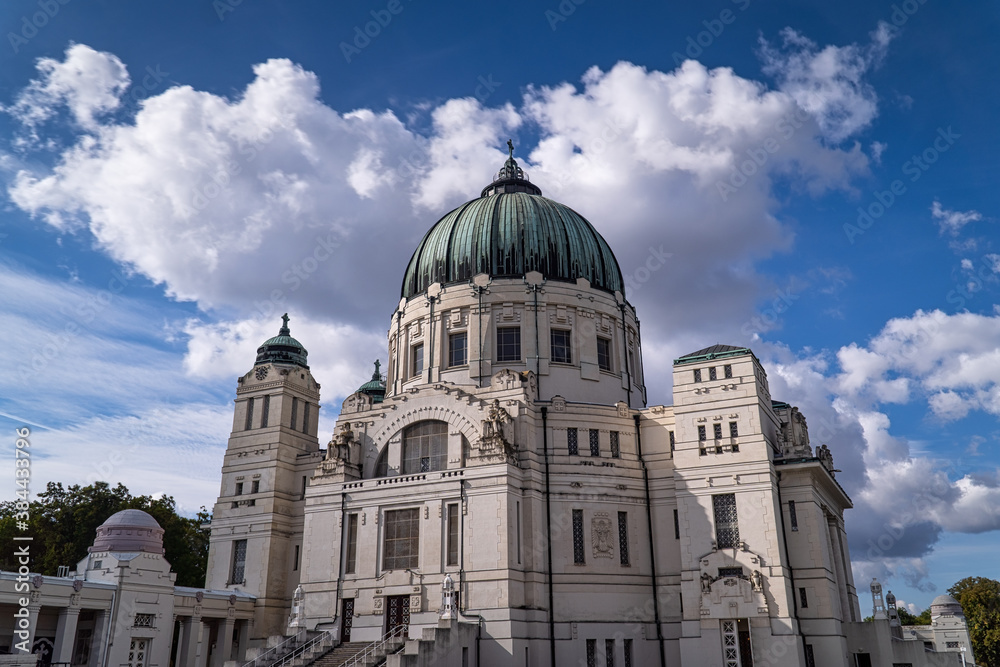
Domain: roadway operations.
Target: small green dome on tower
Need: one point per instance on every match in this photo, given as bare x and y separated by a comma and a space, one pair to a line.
282, 349
376, 386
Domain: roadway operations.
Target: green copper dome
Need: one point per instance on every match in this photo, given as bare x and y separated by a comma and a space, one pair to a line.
282, 349
511, 230
376, 386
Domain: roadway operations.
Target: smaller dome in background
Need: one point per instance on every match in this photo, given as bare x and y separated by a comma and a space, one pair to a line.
282, 349
129, 531
376, 386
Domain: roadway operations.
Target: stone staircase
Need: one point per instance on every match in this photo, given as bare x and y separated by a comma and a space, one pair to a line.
339, 655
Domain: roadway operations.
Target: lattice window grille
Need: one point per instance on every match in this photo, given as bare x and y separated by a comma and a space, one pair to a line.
730, 644
727, 530
578, 552
595, 442
571, 442
144, 621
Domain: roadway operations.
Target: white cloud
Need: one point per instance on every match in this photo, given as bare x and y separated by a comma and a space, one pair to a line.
829, 82
87, 82
341, 357
952, 221
274, 200
170, 450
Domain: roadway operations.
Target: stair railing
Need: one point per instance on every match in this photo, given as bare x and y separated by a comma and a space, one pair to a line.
305, 648
273, 652
372, 649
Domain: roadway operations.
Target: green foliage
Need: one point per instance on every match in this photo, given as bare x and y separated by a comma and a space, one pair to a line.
64, 522
980, 600
906, 618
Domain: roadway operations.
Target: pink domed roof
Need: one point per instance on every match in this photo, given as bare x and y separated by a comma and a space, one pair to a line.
129, 531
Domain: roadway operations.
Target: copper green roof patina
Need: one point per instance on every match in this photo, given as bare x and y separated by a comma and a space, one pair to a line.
511, 230
282, 349
713, 352
376, 386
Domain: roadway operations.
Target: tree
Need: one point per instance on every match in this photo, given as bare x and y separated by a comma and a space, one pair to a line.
63, 523
906, 618
980, 600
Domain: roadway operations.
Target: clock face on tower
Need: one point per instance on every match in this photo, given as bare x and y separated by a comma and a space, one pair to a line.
261, 372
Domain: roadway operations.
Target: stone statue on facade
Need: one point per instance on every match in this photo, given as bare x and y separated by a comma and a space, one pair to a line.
495, 444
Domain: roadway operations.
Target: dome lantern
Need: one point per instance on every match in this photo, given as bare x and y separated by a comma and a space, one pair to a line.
282, 349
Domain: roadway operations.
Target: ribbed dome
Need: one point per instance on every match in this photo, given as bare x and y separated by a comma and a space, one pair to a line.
282, 349
507, 232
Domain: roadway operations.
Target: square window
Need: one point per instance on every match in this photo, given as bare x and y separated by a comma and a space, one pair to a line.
702, 434
562, 352
458, 349
697, 375
571, 442
265, 409
616, 447
734, 430
249, 422
803, 600
595, 442
418, 360
712, 374
402, 539
509, 344
673, 443
239, 489
255, 486
727, 371
717, 430
792, 516
604, 353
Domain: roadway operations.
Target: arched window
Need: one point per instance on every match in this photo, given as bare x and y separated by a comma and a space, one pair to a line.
425, 447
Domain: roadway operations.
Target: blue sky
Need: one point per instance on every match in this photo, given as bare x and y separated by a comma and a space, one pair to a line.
178, 174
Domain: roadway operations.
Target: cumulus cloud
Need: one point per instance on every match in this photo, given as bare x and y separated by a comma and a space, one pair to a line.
953, 359
952, 221
341, 356
829, 82
275, 200
87, 82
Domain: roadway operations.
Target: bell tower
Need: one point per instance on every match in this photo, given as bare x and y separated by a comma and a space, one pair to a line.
256, 543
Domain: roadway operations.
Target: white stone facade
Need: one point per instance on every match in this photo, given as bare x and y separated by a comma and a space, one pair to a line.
514, 452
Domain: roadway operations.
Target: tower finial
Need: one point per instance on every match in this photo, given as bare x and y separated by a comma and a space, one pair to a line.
510, 147
284, 326
378, 375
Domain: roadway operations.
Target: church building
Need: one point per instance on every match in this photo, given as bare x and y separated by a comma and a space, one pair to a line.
510, 453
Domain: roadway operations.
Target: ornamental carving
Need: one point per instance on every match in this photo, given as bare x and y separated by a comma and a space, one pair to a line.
601, 535
496, 444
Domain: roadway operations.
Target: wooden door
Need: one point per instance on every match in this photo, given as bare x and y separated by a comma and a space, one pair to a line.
397, 612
